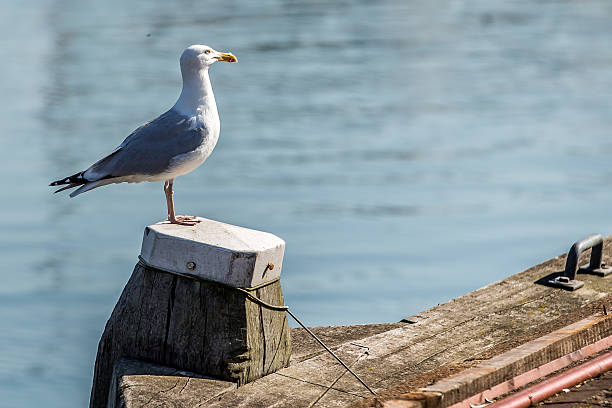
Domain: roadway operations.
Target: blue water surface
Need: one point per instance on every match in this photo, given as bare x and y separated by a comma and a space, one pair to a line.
408, 152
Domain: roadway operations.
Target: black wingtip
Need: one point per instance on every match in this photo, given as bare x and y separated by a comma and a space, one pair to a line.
74, 179
69, 186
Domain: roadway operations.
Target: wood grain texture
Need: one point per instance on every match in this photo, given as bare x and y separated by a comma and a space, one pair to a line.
132, 379
439, 342
192, 325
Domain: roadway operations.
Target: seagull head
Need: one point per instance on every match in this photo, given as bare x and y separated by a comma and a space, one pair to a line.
199, 57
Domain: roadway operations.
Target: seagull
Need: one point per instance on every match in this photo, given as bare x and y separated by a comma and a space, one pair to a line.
173, 144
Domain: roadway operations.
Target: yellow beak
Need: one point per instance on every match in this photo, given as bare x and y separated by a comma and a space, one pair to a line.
227, 57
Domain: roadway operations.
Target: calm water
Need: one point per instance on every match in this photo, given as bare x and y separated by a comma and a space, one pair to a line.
408, 152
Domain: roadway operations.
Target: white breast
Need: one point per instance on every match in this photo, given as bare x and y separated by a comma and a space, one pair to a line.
197, 103
187, 162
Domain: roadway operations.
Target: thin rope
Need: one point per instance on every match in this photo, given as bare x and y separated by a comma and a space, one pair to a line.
329, 351
330, 386
144, 263
255, 299
260, 302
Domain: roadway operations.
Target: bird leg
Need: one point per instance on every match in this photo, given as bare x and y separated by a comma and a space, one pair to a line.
178, 219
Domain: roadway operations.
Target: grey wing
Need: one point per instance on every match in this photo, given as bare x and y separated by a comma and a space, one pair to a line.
150, 148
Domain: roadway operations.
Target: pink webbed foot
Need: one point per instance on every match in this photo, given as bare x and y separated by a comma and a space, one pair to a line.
183, 220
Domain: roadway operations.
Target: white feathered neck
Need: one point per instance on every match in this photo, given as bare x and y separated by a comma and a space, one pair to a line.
197, 98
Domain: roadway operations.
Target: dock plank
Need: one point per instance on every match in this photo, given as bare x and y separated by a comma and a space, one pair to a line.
477, 325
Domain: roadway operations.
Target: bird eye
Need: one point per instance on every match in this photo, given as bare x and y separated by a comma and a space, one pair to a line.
207, 52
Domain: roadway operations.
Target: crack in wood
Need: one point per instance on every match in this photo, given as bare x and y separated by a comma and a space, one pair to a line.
278, 345
263, 337
171, 388
185, 385
169, 317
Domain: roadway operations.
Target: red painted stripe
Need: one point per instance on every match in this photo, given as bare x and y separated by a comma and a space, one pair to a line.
547, 388
535, 374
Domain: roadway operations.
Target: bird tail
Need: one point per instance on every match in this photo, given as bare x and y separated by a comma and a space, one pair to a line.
90, 185
79, 179
71, 181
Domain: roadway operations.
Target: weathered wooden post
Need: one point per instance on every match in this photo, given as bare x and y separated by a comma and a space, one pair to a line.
181, 307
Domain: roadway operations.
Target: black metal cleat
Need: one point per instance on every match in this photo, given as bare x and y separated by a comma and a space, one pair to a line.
596, 266
603, 270
566, 283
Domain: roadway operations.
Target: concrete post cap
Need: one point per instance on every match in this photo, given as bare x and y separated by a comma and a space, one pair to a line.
216, 251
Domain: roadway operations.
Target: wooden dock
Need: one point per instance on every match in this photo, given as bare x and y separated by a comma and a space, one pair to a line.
396, 359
